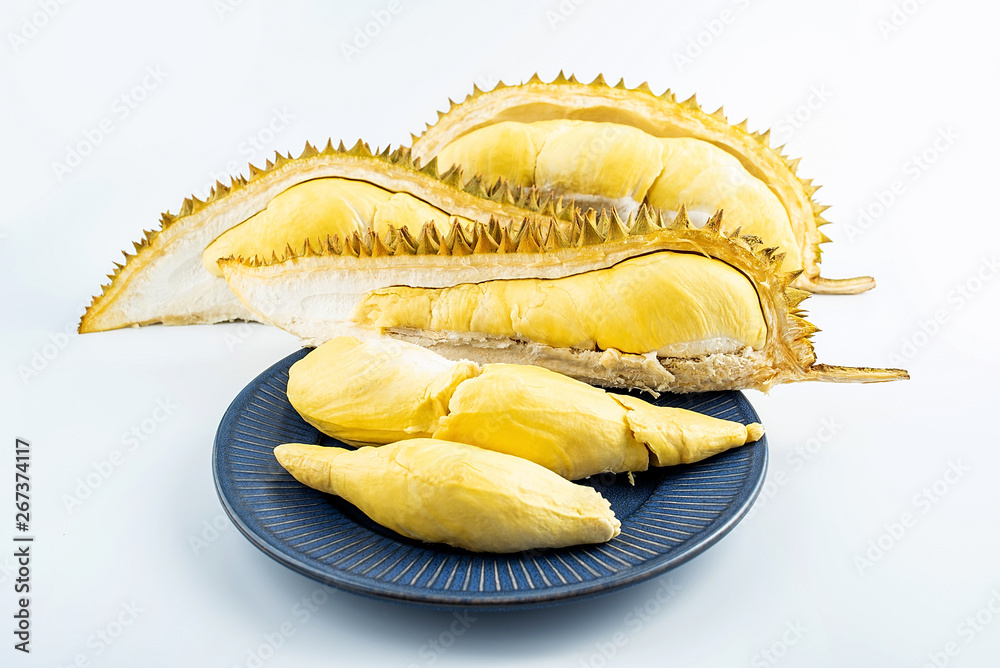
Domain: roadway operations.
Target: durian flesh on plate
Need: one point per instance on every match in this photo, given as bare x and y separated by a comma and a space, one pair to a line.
294, 203
643, 303
381, 390
611, 146
464, 496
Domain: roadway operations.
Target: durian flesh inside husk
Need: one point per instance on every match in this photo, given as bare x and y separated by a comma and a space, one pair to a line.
664, 303
661, 116
291, 203
611, 165
318, 296
320, 208
457, 494
381, 390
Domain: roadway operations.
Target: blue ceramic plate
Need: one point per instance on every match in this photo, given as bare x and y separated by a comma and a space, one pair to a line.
669, 516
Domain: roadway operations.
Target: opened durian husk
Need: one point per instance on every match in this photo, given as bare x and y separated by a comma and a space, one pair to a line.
660, 116
166, 281
319, 294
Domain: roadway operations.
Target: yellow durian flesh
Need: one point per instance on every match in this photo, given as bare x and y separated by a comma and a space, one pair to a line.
566, 426
705, 179
511, 156
309, 210
677, 436
380, 391
319, 208
607, 164
615, 163
663, 302
457, 494
375, 391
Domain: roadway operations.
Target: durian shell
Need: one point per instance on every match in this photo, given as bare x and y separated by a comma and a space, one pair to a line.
662, 116
312, 295
164, 281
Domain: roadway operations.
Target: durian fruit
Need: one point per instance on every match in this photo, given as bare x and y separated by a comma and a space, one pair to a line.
294, 203
644, 303
381, 390
600, 165
614, 146
458, 494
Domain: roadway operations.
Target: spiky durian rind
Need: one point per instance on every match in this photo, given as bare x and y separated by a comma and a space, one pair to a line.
528, 250
121, 303
644, 109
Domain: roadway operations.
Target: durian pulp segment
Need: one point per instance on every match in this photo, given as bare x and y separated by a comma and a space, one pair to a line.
457, 494
393, 391
607, 164
655, 303
381, 390
318, 208
563, 424
677, 436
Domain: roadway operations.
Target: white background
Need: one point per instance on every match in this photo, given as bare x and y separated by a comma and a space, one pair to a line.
880, 95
